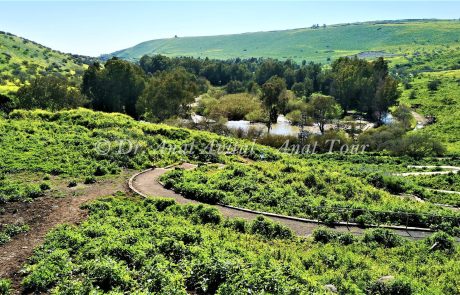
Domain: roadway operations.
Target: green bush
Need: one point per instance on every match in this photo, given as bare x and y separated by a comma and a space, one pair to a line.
382, 236
5, 287
45, 186
107, 274
269, 229
441, 241
392, 287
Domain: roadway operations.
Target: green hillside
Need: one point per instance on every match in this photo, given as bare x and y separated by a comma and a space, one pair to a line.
22, 59
371, 39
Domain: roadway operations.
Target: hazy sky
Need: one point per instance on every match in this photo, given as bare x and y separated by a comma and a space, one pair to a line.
93, 28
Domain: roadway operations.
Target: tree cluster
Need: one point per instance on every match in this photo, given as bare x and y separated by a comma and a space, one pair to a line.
363, 86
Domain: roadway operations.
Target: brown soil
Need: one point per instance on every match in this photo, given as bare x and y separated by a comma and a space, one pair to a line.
44, 214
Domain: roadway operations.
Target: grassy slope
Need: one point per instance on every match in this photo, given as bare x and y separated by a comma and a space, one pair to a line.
444, 104
309, 44
21, 59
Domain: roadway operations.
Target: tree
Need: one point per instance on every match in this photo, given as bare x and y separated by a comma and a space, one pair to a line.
268, 69
323, 109
404, 115
114, 88
387, 94
167, 94
364, 86
274, 98
153, 64
5, 103
49, 92
434, 85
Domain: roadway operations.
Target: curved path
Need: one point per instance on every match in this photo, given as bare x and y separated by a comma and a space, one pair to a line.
452, 169
147, 183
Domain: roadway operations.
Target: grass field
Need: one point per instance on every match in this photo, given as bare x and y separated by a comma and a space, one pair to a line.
402, 38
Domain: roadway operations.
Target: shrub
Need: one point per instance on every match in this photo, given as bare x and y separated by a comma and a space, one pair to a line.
44, 186
441, 241
382, 236
390, 287
326, 235
323, 235
237, 224
89, 180
208, 214
5, 287
4, 238
160, 203
48, 271
417, 145
434, 85
269, 229
108, 274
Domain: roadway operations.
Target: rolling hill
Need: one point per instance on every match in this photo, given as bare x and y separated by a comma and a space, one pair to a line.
22, 59
322, 44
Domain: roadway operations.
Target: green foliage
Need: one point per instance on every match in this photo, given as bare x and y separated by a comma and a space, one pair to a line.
382, 236
49, 92
442, 105
323, 109
22, 61
404, 115
310, 189
167, 94
417, 145
364, 86
232, 107
390, 287
128, 246
441, 241
274, 98
5, 287
393, 138
325, 235
114, 88
65, 144
269, 229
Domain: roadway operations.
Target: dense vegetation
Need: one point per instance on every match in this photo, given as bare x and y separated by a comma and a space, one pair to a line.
129, 246
82, 145
156, 246
68, 144
21, 60
309, 189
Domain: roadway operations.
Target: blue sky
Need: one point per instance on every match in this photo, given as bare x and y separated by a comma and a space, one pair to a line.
93, 28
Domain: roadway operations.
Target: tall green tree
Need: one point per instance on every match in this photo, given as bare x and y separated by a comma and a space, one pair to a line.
167, 94
364, 86
114, 87
49, 92
323, 109
274, 98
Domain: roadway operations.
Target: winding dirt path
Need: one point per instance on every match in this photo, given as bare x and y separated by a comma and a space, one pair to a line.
147, 184
451, 169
